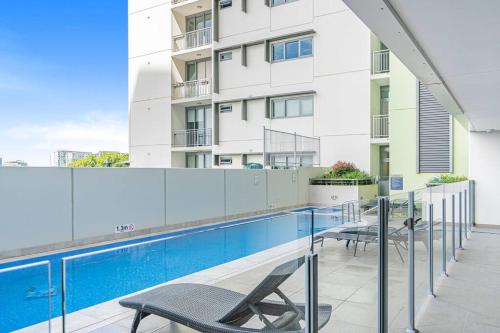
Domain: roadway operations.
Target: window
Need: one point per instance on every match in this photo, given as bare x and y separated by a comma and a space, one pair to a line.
286, 161
223, 108
226, 56
225, 3
292, 50
281, 2
199, 21
306, 106
198, 160
299, 48
278, 51
297, 106
225, 160
306, 47
292, 107
278, 106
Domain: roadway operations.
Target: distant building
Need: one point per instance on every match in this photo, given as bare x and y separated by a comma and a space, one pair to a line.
16, 163
62, 158
99, 154
0, 161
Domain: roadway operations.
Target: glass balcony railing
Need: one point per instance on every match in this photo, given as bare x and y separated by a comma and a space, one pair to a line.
192, 137
191, 89
380, 62
380, 126
192, 39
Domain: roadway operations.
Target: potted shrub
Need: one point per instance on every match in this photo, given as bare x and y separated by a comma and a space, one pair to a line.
446, 179
340, 183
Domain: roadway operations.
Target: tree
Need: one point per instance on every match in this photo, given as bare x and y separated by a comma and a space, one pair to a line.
104, 160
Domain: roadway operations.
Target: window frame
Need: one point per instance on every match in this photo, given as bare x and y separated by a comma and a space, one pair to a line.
284, 43
299, 98
221, 56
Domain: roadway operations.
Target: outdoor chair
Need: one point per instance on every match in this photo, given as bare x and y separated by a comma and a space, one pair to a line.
211, 309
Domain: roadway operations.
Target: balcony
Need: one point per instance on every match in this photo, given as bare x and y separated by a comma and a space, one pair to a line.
191, 89
192, 137
192, 39
380, 62
380, 126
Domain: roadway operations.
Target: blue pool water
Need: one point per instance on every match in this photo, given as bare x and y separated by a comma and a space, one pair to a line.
101, 277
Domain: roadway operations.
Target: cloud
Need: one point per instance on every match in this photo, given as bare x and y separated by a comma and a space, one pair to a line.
93, 132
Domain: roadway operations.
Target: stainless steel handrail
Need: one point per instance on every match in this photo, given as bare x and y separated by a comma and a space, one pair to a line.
49, 283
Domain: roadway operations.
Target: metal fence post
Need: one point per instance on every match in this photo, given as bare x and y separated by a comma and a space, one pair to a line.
295, 149
311, 315
460, 221
342, 213
431, 250
264, 148
311, 267
472, 204
63, 294
49, 296
411, 263
383, 262
465, 215
453, 241
444, 239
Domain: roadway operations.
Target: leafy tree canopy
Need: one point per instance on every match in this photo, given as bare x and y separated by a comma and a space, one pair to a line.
103, 160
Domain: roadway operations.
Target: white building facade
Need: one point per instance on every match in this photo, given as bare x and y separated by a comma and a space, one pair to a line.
207, 76
62, 158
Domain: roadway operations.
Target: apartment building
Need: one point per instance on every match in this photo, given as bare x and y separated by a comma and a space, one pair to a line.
16, 163
62, 158
283, 83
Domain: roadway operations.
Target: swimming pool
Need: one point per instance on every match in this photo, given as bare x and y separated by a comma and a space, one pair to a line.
101, 277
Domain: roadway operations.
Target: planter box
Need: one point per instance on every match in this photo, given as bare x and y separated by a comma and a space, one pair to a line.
332, 195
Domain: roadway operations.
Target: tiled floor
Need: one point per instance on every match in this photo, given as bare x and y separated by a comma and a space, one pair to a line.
467, 301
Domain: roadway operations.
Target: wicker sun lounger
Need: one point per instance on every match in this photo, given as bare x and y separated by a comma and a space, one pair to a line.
216, 310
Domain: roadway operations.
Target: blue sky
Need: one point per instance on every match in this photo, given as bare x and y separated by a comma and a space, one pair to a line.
63, 77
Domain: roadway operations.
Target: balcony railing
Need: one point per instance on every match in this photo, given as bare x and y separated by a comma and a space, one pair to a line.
192, 39
380, 126
192, 137
191, 89
380, 61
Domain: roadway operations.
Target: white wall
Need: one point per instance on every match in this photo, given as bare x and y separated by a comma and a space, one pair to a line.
35, 207
108, 197
245, 191
484, 165
150, 83
51, 206
202, 200
338, 73
282, 188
